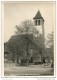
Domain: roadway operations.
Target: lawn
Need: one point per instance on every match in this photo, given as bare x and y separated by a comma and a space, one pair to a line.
31, 70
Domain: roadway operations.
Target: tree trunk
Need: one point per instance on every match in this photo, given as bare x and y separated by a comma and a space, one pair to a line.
17, 59
17, 56
27, 49
41, 59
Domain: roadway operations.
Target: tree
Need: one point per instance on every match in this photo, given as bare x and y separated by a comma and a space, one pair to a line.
50, 40
26, 27
23, 32
50, 45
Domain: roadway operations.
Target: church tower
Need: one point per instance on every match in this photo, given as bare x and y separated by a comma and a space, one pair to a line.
39, 23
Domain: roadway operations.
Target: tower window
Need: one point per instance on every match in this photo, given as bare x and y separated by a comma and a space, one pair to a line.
38, 22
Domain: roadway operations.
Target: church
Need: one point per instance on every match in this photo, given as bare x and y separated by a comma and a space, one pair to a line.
27, 47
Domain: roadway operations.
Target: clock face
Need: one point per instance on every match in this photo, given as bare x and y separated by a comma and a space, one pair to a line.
39, 28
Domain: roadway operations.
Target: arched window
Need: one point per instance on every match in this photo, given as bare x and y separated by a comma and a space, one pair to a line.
35, 22
38, 22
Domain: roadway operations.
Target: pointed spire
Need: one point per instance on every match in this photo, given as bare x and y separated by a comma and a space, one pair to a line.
38, 16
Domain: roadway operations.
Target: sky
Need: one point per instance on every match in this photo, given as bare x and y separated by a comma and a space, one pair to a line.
16, 12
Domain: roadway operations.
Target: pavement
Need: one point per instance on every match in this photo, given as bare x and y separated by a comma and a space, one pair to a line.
31, 70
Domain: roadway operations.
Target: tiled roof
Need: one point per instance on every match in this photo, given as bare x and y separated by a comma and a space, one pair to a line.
21, 39
38, 16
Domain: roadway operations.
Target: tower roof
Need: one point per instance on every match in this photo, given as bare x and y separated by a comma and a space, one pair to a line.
38, 16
